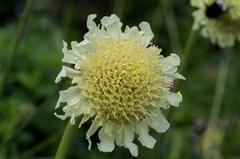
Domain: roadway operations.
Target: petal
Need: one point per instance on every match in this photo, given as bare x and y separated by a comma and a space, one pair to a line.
94, 33
148, 34
113, 25
72, 120
128, 134
67, 72
158, 122
128, 138
62, 117
107, 142
82, 48
69, 56
133, 149
71, 95
93, 128
87, 110
172, 60
58, 103
90, 23
174, 98
144, 138
133, 33
178, 76
84, 120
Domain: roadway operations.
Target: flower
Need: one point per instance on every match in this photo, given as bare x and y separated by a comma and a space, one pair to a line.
121, 81
218, 20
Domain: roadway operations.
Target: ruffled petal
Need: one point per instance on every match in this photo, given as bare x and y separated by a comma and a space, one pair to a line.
158, 122
67, 72
91, 25
148, 34
113, 25
71, 96
128, 138
93, 128
82, 48
62, 117
144, 138
107, 142
133, 33
174, 98
172, 60
69, 56
132, 148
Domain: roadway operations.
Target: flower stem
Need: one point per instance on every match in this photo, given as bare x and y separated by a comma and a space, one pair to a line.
187, 49
63, 147
173, 32
16, 44
220, 88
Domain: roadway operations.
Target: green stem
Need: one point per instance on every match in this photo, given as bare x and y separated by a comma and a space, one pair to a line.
187, 49
220, 88
65, 142
16, 44
173, 31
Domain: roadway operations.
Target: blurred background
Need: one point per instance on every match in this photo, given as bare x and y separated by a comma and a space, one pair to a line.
30, 59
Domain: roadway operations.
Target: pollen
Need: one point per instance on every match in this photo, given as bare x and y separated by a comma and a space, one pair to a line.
123, 80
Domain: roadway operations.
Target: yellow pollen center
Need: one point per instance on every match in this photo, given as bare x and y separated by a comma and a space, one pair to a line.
122, 80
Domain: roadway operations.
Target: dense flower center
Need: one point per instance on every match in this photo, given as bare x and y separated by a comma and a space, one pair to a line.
123, 80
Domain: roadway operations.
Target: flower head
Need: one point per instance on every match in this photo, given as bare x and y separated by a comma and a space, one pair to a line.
218, 20
121, 81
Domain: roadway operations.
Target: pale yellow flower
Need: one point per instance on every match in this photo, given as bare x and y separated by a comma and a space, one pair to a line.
218, 20
120, 81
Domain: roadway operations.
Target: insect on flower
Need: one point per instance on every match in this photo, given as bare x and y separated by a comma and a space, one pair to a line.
120, 81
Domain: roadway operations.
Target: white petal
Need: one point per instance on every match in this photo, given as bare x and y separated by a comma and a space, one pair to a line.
144, 138
172, 60
58, 103
90, 23
133, 33
133, 149
94, 33
128, 134
128, 138
93, 128
113, 25
171, 70
158, 122
178, 76
77, 49
124, 136
82, 48
62, 117
174, 98
67, 72
71, 95
84, 120
107, 142
69, 56
148, 34
72, 120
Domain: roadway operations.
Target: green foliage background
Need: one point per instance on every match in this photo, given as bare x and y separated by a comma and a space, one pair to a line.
28, 128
